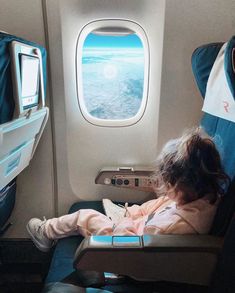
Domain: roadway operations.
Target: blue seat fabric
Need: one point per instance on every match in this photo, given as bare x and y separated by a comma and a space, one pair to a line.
203, 59
223, 132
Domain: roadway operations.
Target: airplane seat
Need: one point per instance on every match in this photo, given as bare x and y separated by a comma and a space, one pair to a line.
23, 114
223, 129
218, 118
189, 259
62, 277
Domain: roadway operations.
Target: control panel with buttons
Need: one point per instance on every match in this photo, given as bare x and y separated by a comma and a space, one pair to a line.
127, 177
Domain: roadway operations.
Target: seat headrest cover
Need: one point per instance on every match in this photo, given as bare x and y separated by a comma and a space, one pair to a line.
220, 91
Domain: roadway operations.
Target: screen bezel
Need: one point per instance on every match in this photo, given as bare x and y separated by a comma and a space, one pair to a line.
17, 50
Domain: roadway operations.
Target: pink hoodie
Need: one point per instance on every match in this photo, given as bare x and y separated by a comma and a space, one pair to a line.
157, 216
163, 216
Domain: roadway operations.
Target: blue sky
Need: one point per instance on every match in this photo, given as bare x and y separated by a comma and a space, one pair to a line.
97, 41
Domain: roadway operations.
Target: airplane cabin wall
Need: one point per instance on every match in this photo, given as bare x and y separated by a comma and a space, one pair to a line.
82, 148
188, 25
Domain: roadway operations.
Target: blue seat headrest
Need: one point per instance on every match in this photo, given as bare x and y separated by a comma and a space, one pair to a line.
203, 59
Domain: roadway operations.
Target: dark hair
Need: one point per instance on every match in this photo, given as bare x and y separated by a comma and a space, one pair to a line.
191, 164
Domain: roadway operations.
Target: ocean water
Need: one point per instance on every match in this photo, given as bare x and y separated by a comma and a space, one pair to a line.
113, 81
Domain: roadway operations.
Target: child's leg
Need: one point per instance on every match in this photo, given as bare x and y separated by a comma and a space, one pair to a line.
85, 222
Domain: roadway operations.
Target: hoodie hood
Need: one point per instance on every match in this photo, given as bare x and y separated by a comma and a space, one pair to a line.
199, 214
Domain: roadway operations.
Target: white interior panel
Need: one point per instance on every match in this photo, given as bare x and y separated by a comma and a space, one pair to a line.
82, 148
188, 25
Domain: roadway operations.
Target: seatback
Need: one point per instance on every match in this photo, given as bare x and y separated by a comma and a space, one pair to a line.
7, 103
22, 120
207, 62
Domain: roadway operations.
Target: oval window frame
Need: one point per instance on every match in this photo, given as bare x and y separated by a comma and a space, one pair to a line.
85, 31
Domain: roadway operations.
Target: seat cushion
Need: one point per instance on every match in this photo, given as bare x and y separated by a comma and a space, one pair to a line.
62, 261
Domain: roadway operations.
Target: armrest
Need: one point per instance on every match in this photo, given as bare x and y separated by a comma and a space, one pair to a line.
178, 258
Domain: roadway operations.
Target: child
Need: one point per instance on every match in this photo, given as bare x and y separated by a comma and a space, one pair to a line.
190, 180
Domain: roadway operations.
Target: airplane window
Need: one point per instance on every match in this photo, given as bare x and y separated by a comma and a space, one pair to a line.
112, 76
